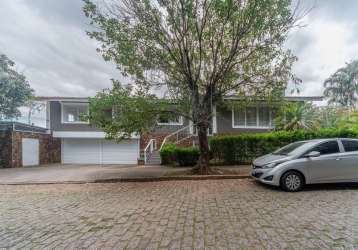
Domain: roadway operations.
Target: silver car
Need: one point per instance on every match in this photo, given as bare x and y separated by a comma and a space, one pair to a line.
308, 162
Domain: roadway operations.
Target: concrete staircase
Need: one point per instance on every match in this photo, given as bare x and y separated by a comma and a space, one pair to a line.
154, 158
182, 137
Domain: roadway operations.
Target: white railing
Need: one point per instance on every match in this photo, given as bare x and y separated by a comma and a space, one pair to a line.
177, 136
148, 150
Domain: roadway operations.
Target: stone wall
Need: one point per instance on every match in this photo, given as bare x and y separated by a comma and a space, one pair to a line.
50, 148
5, 148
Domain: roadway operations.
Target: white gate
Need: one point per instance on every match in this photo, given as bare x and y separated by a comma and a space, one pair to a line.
30, 152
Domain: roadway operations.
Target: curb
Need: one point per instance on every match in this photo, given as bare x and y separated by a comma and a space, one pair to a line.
140, 179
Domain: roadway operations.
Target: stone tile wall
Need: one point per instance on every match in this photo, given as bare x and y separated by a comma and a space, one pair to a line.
5, 148
11, 148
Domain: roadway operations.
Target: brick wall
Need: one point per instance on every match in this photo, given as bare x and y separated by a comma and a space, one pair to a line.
11, 148
144, 139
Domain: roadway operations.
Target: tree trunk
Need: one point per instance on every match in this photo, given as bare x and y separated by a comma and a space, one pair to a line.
204, 158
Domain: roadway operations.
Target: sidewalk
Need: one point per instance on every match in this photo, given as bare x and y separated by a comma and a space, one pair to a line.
58, 173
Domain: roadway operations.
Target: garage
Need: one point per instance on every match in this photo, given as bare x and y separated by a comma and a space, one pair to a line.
99, 151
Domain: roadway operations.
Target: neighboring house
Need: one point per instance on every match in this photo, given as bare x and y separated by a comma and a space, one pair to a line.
82, 143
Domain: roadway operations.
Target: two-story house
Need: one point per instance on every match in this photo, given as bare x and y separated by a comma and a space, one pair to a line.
82, 143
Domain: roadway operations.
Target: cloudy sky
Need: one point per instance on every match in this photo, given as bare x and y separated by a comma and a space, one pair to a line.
47, 40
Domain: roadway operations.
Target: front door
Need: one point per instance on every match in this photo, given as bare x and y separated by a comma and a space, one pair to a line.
326, 167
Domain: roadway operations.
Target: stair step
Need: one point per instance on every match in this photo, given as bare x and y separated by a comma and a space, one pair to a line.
154, 158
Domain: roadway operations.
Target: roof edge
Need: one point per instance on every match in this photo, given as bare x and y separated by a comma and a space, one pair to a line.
287, 98
61, 98
228, 97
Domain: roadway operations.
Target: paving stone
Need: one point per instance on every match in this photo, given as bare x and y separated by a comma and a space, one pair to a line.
212, 214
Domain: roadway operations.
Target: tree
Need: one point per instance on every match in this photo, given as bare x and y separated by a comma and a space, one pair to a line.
332, 117
198, 50
341, 88
15, 91
349, 120
34, 107
293, 116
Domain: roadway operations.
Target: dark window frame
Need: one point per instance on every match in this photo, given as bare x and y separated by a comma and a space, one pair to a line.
344, 147
313, 148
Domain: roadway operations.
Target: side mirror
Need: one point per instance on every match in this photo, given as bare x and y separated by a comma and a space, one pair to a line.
313, 154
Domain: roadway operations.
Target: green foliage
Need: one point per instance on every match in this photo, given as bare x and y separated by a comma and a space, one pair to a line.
246, 147
332, 117
183, 156
122, 112
15, 91
297, 115
197, 45
187, 156
196, 50
349, 120
341, 88
167, 154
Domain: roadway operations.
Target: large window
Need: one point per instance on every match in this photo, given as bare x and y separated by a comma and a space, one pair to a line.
170, 120
253, 117
73, 112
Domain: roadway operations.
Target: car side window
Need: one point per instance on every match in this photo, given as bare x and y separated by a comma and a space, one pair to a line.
330, 147
350, 146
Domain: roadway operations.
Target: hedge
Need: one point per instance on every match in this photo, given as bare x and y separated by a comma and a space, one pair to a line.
236, 149
170, 154
167, 154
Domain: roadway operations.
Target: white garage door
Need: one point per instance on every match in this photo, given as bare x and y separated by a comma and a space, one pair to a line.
30, 152
97, 151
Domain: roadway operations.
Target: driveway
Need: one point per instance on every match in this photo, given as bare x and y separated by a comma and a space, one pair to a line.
211, 214
80, 173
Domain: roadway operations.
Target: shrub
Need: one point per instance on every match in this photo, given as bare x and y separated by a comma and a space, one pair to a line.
235, 149
187, 156
183, 156
168, 154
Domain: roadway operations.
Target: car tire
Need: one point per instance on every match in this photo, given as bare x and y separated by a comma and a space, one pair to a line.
292, 181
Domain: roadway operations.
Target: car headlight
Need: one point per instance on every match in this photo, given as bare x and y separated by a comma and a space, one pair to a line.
271, 165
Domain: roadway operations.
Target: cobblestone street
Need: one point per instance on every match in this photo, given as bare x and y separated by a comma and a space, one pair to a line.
220, 214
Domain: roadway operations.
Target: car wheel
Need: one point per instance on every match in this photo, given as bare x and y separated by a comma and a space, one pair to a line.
292, 181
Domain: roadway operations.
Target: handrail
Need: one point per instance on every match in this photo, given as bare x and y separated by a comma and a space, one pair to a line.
176, 133
151, 146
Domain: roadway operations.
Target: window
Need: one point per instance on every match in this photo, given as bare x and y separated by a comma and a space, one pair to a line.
253, 117
290, 148
264, 117
330, 147
174, 120
239, 117
350, 145
72, 112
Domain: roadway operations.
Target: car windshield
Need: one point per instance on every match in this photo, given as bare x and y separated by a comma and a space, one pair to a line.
293, 148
